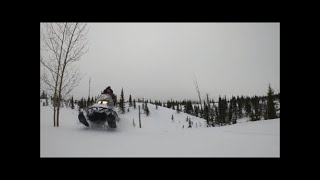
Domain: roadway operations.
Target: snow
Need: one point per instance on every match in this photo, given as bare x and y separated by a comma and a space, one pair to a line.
158, 137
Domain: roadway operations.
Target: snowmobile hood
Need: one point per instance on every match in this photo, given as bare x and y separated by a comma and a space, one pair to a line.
99, 105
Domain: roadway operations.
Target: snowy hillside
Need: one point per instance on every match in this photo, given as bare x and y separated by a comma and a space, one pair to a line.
158, 137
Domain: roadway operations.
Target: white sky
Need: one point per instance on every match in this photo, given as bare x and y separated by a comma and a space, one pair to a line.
157, 60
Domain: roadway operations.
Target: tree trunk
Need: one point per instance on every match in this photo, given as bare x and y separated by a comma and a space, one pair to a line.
62, 74
55, 98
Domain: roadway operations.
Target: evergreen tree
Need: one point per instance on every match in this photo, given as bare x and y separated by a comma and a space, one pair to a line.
79, 104
220, 110
43, 95
239, 109
256, 108
190, 123
146, 109
264, 110
248, 106
178, 108
230, 114
217, 120
261, 108
188, 107
130, 101
196, 111
206, 114
234, 108
223, 107
168, 104
121, 102
92, 100
271, 112
172, 118
201, 113
72, 105
211, 116
88, 102
134, 103
84, 103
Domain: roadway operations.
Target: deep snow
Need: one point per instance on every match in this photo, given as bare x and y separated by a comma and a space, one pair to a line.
158, 137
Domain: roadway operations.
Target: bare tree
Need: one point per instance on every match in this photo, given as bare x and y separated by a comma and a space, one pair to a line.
64, 44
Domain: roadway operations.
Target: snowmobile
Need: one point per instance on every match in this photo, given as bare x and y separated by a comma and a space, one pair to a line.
101, 114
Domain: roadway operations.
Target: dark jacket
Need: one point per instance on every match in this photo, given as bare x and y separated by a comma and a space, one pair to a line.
109, 91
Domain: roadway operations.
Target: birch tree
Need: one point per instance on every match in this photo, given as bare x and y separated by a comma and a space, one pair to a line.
63, 44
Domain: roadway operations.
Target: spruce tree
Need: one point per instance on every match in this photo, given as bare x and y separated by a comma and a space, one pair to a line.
239, 109
43, 95
130, 101
206, 113
248, 106
72, 105
190, 123
134, 103
88, 102
256, 107
79, 104
217, 120
271, 112
196, 111
220, 110
178, 108
92, 100
223, 107
212, 116
84, 103
168, 104
230, 114
234, 110
146, 109
188, 107
121, 102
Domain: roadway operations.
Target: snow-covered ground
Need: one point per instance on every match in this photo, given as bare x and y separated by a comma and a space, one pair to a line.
158, 137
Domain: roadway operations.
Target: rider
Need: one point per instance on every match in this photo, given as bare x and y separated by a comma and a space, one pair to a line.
109, 91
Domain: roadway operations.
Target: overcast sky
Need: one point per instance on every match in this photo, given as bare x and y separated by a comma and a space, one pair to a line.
158, 60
